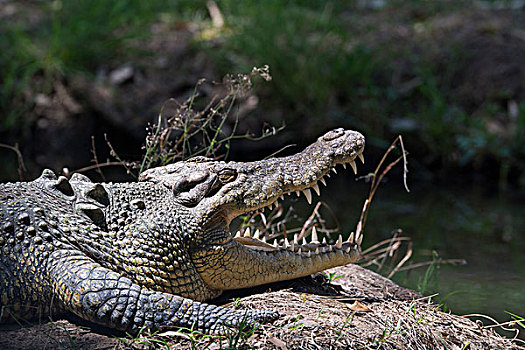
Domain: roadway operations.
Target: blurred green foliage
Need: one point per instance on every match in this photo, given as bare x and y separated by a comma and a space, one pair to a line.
69, 36
326, 69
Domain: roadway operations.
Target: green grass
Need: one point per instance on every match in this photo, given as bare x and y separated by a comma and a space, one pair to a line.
307, 47
329, 68
326, 74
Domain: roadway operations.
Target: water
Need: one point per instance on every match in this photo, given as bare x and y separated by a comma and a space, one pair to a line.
468, 223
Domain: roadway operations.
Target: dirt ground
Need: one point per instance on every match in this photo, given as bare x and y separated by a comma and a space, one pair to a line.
359, 310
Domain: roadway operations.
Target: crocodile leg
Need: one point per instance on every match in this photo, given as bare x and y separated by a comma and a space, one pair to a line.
109, 299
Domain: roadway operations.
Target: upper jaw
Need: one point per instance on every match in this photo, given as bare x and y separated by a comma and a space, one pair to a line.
272, 179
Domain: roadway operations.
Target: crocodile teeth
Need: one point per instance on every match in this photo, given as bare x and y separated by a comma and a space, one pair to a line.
295, 239
317, 250
275, 244
297, 193
335, 171
324, 240
263, 219
347, 249
344, 165
322, 181
308, 195
354, 167
309, 254
286, 242
339, 243
330, 248
360, 155
351, 238
257, 234
281, 197
292, 246
315, 240
316, 189
238, 234
247, 232
304, 241
263, 239
299, 251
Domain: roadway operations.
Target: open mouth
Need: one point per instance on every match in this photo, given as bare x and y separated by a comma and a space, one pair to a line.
303, 247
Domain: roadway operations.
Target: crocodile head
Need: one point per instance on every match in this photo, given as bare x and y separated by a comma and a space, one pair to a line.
215, 192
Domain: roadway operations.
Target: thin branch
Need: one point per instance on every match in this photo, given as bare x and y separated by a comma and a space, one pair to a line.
21, 166
95, 158
279, 151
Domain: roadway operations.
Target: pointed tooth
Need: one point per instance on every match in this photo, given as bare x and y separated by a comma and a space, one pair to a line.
309, 254
281, 197
351, 238
304, 241
335, 171
322, 181
347, 249
308, 195
275, 244
297, 193
247, 232
317, 250
286, 242
344, 165
330, 248
324, 240
339, 243
327, 175
238, 234
354, 166
257, 234
299, 251
263, 239
360, 240
276, 203
263, 219
315, 239
292, 247
295, 239
360, 155
316, 189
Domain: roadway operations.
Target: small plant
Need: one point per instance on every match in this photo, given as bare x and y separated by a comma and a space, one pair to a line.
188, 132
332, 276
348, 320
320, 312
144, 338
295, 325
430, 274
237, 303
184, 131
237, 336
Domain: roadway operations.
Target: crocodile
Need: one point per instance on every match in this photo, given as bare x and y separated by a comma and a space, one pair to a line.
149, 254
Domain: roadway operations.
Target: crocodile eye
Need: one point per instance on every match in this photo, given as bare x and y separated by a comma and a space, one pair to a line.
227, 175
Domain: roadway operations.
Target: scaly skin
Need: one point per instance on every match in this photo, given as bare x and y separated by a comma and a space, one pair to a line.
133, 255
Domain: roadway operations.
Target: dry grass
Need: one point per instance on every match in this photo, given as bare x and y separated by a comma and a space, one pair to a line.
397, 319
